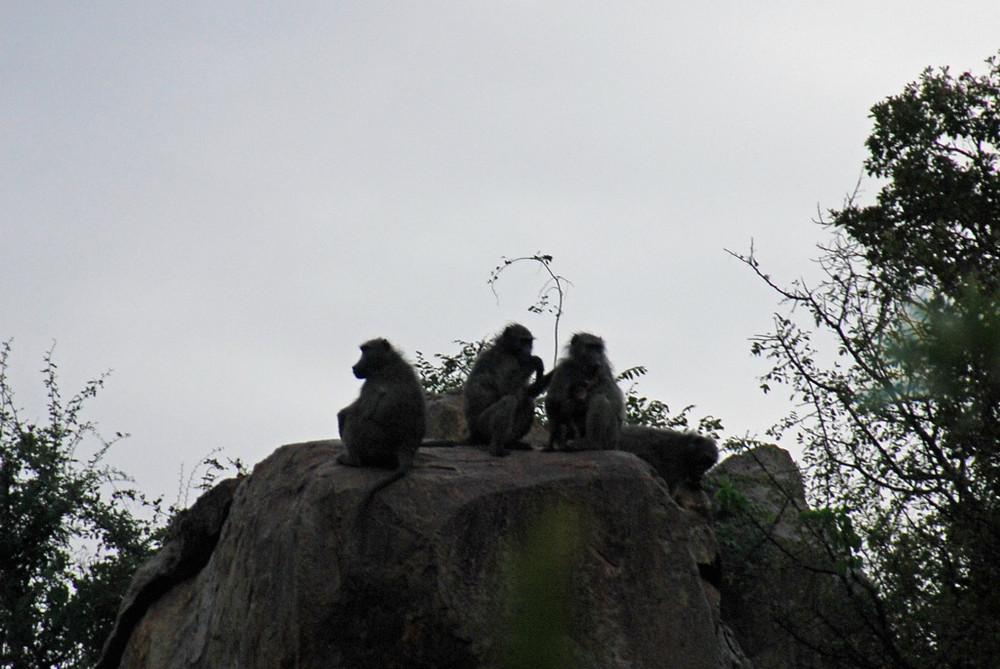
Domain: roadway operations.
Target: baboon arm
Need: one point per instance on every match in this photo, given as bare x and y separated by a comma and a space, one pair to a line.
540, 384
373, 409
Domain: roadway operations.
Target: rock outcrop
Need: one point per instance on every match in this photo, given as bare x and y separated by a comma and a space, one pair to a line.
187, 547
468, 561
782, 592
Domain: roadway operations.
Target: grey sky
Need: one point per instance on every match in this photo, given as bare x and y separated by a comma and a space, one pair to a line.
220, 201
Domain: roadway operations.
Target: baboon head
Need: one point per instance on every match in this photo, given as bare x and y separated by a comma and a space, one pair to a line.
588, 350
516, 340
375, 353
579, 390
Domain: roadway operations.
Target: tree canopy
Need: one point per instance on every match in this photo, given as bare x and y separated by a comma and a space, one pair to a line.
894, 360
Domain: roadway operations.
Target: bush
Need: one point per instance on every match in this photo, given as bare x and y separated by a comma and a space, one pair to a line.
70, 542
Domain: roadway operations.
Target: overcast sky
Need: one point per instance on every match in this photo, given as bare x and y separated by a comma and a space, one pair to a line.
220, 201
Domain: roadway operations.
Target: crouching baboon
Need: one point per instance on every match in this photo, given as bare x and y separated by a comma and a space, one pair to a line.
498, 400
585, 366
680, 458
384, 426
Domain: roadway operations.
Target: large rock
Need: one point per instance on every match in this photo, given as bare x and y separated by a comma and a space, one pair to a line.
468, 561
781, 590
187, 547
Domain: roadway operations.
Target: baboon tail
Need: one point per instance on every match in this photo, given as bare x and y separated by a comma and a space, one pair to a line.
405, 465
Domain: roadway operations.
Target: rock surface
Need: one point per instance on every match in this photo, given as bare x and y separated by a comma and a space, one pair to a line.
187, 546
446, 417
453, 568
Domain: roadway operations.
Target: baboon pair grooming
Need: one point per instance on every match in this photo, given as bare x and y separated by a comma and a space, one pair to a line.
585, 407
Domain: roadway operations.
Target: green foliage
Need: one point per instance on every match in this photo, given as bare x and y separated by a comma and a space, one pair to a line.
935, 220
837, 529
449, 372
894, 358
69, 543
640, 410
729, 501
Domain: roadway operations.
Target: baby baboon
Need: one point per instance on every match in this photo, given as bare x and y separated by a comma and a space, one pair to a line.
586, 363
384, 426
568, 420
499, 402
681, 458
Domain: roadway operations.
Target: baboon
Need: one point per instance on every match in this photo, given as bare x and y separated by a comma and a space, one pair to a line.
586, 363
384, 426
680, 458
498, 400
568, 420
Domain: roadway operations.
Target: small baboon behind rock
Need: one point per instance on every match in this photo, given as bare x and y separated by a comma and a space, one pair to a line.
498, 399
585, 366
384, 426
680, 458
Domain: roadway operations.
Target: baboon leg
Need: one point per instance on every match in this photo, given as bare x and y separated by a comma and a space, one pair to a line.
602, 423
367, 444
505, 422
522, 420
348, 457
561, 434
489, 424
502, 425
341, 417
553, 438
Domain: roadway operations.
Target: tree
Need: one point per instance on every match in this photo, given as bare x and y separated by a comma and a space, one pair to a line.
556, 283
894, 358
69, 542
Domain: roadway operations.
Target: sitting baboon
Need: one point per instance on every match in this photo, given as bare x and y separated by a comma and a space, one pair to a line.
498, 400
384, 426
568, 420
680, 458
586, 362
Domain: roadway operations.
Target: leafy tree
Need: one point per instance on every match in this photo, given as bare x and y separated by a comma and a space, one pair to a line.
69, 542
894, 357
449, 372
